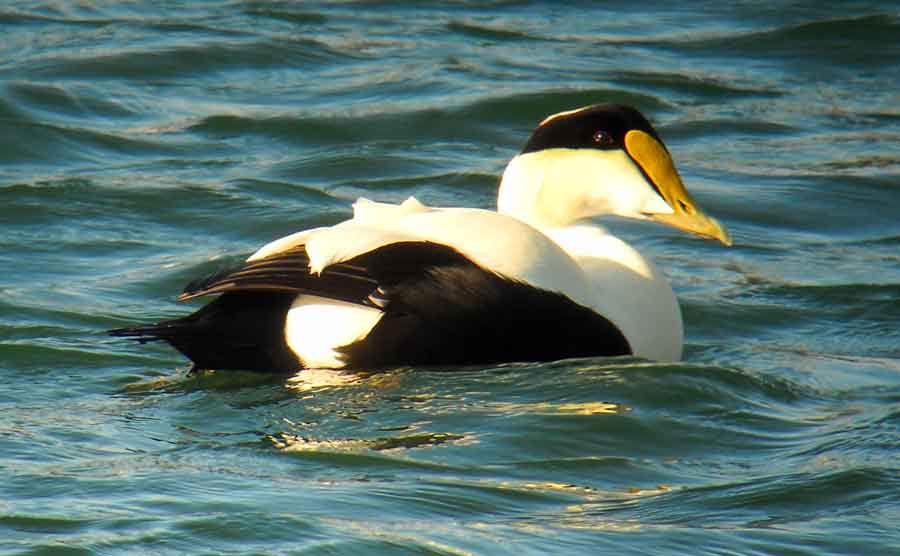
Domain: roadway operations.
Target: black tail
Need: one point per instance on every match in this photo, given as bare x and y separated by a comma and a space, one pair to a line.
239, 330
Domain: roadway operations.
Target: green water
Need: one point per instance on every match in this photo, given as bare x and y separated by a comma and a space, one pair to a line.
143, 145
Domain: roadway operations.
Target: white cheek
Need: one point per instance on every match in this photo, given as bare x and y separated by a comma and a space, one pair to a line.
622, 186
654, 204
556, 187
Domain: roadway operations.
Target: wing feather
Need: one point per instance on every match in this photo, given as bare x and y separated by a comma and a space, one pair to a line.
288, 272
352, 281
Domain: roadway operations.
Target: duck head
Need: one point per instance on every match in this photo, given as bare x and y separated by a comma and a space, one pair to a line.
604, 159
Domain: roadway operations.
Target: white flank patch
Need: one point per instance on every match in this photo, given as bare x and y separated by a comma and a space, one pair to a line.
315, 326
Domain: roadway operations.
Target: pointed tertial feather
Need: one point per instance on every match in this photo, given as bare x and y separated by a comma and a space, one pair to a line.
287, 272
354, 280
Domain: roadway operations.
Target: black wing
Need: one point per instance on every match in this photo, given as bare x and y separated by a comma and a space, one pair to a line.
353, 280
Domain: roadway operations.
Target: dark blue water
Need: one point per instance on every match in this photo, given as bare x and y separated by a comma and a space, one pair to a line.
142, 145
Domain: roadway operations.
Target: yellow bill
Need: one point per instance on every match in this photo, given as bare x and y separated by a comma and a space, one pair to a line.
656, 162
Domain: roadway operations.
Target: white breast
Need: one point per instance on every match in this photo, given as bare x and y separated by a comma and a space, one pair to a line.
628, 289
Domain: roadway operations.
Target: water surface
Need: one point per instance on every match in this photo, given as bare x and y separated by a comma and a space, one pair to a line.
143, 145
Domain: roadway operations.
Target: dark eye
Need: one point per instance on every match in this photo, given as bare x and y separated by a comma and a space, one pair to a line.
603, 139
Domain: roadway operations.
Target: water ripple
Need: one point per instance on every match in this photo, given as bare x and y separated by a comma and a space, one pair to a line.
145, 145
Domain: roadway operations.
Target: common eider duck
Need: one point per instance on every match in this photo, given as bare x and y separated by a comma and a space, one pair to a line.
413, 285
